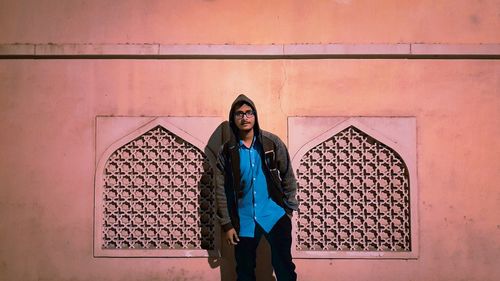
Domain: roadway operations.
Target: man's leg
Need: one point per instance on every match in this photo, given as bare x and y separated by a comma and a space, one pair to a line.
245, 253
280, 240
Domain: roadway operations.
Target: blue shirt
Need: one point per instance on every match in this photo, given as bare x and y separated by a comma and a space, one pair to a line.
255, 206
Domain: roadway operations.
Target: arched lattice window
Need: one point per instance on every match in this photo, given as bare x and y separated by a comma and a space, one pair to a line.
354, 194
157, 197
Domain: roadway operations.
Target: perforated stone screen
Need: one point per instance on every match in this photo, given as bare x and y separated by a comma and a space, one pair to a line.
354, 191
156, 196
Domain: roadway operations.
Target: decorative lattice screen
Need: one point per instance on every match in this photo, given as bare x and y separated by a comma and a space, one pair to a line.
157, 195
354, 193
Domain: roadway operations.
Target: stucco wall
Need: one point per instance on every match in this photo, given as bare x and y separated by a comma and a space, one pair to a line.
249, 22
48, 109
47, 119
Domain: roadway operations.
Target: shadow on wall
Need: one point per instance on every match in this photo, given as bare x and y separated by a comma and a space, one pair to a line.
226, 261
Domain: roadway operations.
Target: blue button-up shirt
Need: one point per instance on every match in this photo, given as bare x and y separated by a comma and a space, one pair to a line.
255, 206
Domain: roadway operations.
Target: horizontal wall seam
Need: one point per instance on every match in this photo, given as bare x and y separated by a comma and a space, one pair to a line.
278, 51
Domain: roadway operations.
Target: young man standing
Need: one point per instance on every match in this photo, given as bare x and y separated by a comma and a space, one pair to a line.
255, 193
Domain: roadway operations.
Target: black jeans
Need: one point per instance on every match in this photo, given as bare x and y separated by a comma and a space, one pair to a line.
280, 240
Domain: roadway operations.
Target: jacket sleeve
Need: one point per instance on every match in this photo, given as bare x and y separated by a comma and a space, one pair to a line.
288, 180
222, 212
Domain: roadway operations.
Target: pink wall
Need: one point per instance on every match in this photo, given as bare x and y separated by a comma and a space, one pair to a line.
47, 157
251, 22
48, 109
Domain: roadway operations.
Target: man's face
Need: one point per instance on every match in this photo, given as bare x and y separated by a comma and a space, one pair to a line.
243, 118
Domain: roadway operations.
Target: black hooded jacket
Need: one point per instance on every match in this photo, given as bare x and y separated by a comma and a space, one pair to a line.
281, 182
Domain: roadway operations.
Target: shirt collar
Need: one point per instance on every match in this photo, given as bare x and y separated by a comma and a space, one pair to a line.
241, 144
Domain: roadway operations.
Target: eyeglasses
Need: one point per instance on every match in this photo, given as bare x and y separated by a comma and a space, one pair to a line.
241, 114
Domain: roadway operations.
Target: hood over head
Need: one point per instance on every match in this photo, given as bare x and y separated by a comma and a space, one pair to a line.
242, 98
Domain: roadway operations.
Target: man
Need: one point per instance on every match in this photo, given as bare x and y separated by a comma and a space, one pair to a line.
255, 193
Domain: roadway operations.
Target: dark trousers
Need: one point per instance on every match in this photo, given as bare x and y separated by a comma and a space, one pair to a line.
280, 240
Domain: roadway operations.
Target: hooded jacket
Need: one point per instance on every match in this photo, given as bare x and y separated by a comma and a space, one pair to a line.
281, 182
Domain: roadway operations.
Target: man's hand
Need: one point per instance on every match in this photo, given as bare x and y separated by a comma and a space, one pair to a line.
232, 237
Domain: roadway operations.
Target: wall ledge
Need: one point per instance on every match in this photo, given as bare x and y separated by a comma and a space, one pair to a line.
278, 51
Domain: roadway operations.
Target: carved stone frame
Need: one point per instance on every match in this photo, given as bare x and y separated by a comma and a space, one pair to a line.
399, 133
114, 132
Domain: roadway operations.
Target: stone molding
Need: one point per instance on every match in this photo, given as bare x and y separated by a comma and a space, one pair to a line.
156, 51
